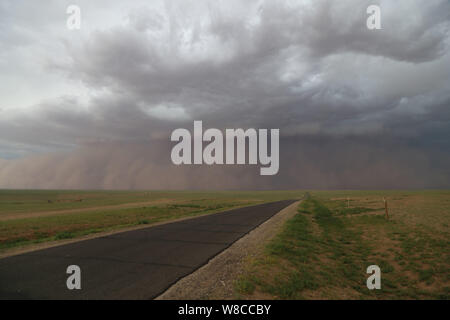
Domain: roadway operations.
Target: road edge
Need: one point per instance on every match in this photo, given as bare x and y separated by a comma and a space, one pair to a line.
50, 244
215, 279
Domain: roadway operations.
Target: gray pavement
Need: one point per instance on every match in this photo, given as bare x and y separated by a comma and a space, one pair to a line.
137, 264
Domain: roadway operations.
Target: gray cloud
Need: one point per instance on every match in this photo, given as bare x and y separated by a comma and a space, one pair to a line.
355, 108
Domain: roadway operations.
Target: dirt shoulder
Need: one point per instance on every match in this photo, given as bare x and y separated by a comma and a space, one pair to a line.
215, 280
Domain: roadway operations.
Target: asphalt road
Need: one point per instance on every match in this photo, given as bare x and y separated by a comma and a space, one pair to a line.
137, 264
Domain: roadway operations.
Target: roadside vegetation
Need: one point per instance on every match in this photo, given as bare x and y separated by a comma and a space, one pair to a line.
323, 252
33, 217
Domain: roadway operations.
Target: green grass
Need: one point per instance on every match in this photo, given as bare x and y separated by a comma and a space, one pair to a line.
324, 250
25, 201
48, 228
166, 206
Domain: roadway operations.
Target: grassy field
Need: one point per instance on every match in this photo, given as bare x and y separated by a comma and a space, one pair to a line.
29, 217
323, 252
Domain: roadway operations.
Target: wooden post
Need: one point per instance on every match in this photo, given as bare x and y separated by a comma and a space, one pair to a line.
348, 202
386, 208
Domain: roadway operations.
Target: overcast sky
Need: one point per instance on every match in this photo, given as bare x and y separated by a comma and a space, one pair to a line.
94, 108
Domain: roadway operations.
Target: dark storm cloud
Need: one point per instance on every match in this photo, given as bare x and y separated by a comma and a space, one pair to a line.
355, 107
292, 60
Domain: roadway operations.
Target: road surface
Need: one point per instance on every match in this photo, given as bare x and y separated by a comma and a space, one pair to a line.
137, 264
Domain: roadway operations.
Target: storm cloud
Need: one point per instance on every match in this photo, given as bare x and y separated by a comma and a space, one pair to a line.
94, 108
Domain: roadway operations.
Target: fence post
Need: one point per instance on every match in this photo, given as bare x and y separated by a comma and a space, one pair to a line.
386, 208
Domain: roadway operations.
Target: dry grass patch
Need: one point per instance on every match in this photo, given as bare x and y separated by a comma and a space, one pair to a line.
324, 251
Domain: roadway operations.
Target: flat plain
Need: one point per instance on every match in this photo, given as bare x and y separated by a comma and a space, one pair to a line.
323, 252
32, 217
